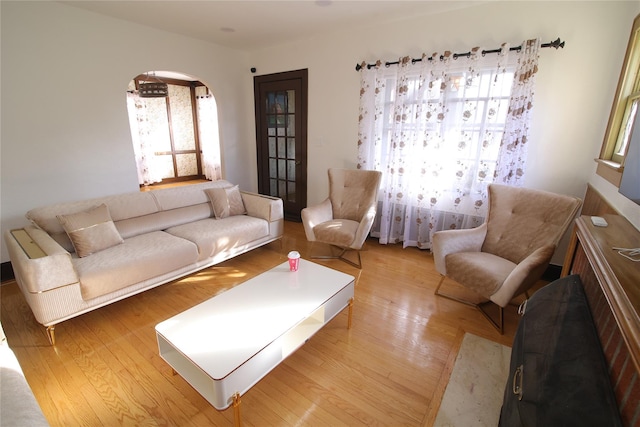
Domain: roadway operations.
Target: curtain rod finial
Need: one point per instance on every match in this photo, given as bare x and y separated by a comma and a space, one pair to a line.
557, 43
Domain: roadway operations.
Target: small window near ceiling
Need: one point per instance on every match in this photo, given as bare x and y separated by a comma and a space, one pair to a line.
174, 128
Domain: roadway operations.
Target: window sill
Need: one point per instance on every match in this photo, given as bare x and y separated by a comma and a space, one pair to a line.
609, 170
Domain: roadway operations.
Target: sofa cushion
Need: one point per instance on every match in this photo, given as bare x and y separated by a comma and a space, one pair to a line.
337, 231
121, 206
137, 259
226, 201
186, 195
213, 236
486, 271
162, 220
91, 231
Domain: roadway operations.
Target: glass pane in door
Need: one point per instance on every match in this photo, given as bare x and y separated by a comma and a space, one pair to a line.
281, 141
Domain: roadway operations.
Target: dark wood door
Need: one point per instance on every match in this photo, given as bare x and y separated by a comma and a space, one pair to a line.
281, 138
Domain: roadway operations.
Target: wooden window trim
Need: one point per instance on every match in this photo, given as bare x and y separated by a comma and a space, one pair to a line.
198, 151
628, 83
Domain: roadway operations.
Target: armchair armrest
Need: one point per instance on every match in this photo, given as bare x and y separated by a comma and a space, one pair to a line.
446, 242
363, 229
314, 215
52, 269
526, 273
263, 206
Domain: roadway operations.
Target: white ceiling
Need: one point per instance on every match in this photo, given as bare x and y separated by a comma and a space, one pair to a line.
256, 24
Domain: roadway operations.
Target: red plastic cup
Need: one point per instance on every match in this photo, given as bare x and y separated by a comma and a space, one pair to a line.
294, 261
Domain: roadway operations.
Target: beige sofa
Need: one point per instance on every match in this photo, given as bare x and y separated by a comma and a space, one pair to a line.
18, 405
79, 256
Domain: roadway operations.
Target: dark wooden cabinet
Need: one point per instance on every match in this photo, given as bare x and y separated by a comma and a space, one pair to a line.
612, 286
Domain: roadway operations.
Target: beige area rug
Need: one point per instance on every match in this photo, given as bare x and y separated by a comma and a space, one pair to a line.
475, 389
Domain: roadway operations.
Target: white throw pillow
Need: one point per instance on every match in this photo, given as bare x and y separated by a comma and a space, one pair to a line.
226, 201
91, 231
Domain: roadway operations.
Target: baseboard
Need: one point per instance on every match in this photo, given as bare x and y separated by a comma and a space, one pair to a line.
551, 273
6, 272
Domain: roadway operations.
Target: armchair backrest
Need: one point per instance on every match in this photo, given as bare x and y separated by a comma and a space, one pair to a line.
353, 193
521, 220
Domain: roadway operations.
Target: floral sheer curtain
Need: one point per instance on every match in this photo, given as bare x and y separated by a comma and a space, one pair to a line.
513, 149
440, 130
143, 147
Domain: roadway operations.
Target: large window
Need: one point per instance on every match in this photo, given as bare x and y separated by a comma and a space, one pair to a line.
459, 141
440, 131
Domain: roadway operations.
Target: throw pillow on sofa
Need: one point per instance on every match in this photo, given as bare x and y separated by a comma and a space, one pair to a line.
226, 201
91, 231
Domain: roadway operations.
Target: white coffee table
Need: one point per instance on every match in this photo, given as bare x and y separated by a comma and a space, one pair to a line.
225, 345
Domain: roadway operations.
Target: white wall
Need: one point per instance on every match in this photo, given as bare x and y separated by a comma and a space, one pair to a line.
59, 143
574, 91
65, 132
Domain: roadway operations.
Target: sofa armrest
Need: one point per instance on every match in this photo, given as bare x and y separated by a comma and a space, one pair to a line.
263, 206
452, 241
364, 228
525, 275
51, 269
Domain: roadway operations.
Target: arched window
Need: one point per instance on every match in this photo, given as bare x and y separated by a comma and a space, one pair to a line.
174, 128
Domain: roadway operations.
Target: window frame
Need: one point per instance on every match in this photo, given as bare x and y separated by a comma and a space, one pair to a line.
611, 163
175, 152
478, 128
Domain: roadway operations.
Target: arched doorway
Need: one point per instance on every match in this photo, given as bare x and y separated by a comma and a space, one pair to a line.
174, 128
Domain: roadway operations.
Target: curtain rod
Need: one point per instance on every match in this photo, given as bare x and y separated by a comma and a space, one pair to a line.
556, 44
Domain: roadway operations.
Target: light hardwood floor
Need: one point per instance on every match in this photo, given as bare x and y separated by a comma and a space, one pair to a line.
390, 368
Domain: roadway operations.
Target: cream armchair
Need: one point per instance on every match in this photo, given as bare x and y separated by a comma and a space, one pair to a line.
508, 254
345, 218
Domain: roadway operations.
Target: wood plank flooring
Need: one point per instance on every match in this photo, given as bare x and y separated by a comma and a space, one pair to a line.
390, 368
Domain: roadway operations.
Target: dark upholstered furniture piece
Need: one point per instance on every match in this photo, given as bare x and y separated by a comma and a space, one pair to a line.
558, 374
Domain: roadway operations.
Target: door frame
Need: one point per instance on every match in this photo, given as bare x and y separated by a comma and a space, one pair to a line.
301, 177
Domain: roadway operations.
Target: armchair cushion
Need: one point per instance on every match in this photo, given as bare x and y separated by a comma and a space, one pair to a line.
521, 220
353, 194
337, 232
480, 271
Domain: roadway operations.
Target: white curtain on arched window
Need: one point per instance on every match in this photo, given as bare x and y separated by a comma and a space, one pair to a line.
209, 138
143, 148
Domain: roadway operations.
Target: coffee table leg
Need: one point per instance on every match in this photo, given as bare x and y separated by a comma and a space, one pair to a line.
237, 422
350, 313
